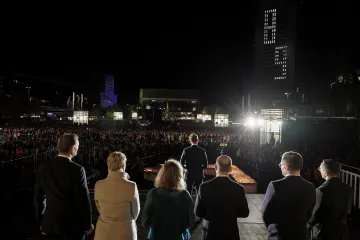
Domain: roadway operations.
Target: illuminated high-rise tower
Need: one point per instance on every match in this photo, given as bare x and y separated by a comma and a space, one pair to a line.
108, 98
275, 51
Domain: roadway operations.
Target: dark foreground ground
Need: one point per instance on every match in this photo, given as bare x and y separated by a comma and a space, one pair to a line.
18, 222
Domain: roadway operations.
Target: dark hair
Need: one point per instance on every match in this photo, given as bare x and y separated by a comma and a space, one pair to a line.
293, 159
224, 162
66, 141
193, 138
331, 166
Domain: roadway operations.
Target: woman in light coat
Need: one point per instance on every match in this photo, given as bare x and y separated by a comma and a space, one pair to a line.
117, 200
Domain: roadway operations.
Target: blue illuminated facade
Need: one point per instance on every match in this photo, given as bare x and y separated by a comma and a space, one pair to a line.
108, 98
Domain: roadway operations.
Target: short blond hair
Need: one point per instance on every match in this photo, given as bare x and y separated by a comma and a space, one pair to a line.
171, 176
116, 161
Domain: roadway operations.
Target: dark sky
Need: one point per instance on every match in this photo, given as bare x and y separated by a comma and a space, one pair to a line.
211, 53
203, 52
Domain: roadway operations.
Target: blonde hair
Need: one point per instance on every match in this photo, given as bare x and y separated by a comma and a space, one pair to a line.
116, 161
171, 176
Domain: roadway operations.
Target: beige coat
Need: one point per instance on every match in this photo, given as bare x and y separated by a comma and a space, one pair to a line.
117, 200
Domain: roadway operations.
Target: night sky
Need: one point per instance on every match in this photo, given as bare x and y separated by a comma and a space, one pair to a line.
212, 53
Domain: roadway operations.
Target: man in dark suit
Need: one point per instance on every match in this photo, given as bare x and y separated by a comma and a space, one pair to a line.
194, 160
333, 203
288, 202
62, 201
220, 202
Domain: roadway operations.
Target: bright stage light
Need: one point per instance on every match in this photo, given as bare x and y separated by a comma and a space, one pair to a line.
250, 121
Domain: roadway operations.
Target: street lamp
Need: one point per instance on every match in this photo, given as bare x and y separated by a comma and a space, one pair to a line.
287, 95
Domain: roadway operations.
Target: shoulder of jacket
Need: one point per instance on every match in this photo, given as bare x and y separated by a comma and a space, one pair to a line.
130, 183
276, 182
310, 184
99, 183
76, 165
238, 185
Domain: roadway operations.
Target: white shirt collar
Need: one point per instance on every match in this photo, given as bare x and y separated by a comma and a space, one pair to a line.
298, 175
64, 156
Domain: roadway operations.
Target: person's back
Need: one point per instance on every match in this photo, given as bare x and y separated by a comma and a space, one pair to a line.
57, 181
66, 210
333, 203
225, 201
288, 202
194, 160
194, 155
118, 209
170, 213
168, 210
294, 199
220, 202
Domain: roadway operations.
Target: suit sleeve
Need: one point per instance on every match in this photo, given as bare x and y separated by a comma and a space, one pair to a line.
39, 197
147, 211
200, 209
83, 199
205, 160
268, 209
190, 210
243, 208
318, 212
135, 204
183, 159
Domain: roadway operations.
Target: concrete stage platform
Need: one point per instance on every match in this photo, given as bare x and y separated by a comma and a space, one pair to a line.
250, 228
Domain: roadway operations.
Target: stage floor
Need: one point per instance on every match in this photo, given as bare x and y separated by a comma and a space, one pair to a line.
250, 228
19, 220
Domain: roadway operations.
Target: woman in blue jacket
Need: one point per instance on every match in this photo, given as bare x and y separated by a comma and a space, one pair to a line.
169, 208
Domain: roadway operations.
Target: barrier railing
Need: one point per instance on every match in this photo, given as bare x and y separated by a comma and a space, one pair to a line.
351, 176
20, 173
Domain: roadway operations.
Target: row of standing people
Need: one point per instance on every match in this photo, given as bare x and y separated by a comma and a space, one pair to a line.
168, 211
288, 211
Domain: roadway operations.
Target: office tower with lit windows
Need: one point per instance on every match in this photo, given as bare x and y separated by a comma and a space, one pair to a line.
108, 98
275, 50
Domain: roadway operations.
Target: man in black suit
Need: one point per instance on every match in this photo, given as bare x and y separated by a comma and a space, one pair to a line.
62, 201
288, 202
333, 203
194, 160
220, 202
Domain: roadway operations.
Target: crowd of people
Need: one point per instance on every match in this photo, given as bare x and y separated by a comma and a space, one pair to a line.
21, 141
150, 146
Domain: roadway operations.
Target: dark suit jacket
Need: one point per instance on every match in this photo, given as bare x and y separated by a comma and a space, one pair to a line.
67, 209
194, 159
287, 207
220, 202
333, 203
